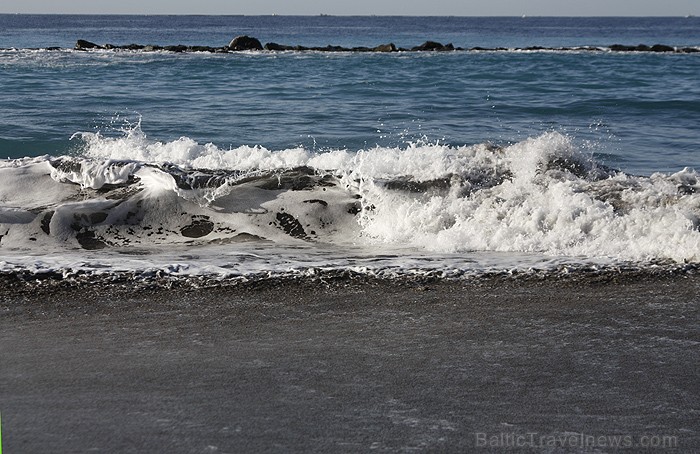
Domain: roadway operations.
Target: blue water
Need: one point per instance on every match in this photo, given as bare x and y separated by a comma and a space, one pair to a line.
638, 112
384, 163
63, 30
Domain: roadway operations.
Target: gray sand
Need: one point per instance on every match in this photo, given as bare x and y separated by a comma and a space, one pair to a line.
352, 366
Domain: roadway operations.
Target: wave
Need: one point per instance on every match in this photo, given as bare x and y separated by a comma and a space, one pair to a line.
544, 195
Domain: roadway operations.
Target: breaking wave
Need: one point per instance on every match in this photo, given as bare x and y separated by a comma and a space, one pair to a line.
543, 195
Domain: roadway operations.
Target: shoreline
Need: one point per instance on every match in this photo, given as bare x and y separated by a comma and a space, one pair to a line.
24, 281
350, 365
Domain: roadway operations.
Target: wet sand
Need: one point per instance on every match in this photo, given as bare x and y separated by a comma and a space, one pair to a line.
352, 366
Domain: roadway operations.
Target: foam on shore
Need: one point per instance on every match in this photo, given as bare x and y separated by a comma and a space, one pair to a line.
426, 206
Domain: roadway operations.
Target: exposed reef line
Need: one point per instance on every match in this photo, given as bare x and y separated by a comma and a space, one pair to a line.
247, 43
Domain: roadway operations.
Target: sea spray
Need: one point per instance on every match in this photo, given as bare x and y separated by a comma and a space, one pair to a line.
542, 195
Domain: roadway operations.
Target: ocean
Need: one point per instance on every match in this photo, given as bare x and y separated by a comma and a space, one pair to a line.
257, 164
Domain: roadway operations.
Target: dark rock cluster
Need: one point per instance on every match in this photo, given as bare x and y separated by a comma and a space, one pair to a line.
247, 43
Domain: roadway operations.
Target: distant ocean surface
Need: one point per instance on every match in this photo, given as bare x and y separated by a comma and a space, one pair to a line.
284, 163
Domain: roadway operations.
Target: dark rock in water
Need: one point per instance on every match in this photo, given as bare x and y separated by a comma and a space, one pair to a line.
291, 226
201, 49
428, 45
662, 48
198, 228
245, 43
179, 48
641, 48
85, 45
89, 241
277, 47
385, 48
330, 48
432, 46
621, 48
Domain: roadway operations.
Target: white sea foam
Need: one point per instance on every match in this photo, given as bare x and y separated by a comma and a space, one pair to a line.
542, 197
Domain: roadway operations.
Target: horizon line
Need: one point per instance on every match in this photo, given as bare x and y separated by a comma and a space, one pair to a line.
337, 15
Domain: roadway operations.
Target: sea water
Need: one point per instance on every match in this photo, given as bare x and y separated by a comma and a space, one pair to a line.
278, 163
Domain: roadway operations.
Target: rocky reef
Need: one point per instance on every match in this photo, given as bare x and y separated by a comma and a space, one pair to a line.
248, 43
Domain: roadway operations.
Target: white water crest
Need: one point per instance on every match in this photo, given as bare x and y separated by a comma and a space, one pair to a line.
421, 203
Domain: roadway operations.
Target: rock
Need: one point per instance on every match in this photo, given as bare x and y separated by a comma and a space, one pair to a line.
638, 48
330, 48
245, 43
178, 48
428, 45
385, 48
85, 45
277, 47
621, 48
432, 46
241, 43
662, 48
201, 49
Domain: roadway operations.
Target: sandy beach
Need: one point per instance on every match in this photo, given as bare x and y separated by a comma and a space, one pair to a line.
535, 365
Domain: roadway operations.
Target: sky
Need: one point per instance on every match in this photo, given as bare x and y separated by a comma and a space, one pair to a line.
363, 7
